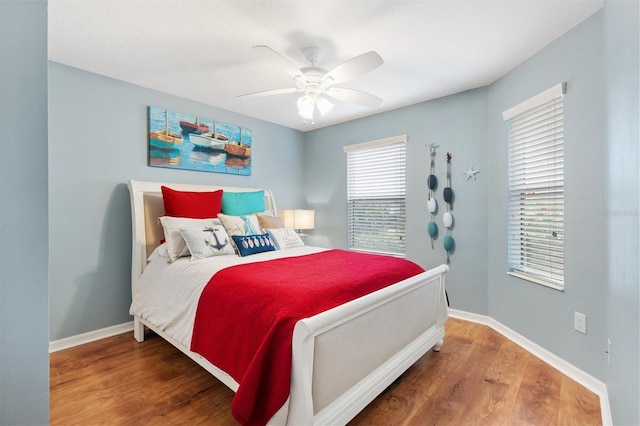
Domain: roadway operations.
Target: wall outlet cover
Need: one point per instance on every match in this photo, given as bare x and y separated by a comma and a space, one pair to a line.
580, 322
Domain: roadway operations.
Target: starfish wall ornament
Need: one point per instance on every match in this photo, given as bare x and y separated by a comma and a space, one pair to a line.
471, 174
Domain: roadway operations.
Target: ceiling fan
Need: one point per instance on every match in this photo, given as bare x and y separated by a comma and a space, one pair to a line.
316, 83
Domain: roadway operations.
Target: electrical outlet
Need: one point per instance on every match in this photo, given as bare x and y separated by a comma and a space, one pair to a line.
580, 322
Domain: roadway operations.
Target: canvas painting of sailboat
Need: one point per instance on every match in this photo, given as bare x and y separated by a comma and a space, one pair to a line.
189, 142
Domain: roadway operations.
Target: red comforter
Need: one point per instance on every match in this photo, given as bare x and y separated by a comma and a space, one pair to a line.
246, 315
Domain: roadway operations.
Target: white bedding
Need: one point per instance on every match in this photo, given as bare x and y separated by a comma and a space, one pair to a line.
167, 293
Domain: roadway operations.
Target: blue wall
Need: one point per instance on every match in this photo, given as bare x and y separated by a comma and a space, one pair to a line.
24, 304
622, 207
599, 61
458, 124
98, 140
541, 314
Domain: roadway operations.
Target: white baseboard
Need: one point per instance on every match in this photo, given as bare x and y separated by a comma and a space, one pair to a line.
91, 336
586, 380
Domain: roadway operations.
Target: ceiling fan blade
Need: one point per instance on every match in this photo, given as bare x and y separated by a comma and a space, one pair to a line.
354, 67
277, 59
354, 96
269, 93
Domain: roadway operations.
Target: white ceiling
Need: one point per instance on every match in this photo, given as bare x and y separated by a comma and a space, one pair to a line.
201, 49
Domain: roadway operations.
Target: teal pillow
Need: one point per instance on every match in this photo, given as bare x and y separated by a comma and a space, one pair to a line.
242, 203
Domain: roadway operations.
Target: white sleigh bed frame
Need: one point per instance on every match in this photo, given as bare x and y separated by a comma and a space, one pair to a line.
342, 358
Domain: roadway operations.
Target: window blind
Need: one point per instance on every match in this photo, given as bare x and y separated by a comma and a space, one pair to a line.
376, 192
536, 191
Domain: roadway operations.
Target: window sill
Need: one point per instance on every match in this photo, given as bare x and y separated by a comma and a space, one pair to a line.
371, 251
536, 280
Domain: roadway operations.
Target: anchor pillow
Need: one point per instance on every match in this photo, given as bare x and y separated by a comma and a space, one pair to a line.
207, 241
176, 245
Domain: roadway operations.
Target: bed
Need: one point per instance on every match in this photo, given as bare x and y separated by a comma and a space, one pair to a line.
341, 358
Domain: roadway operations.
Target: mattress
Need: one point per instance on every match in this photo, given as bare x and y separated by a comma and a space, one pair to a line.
167, 294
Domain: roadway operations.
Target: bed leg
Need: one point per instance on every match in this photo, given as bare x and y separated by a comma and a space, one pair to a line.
138, 330
438, 345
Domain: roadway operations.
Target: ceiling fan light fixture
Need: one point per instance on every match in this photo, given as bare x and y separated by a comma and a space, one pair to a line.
305, 115
324, 105
306, 106
316, 83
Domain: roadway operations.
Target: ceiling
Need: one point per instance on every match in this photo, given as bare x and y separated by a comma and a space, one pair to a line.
202, 49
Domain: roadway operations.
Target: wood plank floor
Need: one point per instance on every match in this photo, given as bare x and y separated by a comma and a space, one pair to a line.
478, 378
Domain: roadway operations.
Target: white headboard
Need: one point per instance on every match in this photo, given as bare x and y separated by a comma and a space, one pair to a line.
147, 206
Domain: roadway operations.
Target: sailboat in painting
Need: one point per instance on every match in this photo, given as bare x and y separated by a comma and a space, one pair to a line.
207, 140
165, 138
193, 127
215, 141
238, 149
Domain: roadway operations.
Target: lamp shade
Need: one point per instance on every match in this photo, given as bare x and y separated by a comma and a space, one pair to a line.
299, 219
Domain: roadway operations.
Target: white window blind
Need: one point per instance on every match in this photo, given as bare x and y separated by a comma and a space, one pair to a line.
376, 185
536, 189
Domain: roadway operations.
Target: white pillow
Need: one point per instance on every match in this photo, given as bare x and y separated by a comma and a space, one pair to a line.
269, 222
160, 251
176, 246
285, 238
207, 241
240, 225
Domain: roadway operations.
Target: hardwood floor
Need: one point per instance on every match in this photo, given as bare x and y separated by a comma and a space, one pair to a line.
478, 378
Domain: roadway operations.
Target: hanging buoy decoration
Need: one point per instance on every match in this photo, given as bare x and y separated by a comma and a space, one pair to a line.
449, 244
432, 228
447, 219
432, 182
447, 194
432, 205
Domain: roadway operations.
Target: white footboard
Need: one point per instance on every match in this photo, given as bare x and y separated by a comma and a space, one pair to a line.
345, 357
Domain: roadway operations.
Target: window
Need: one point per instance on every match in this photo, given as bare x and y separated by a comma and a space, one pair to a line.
536, 189
376, 196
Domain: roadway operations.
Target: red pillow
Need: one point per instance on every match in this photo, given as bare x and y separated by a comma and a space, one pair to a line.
192, 204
